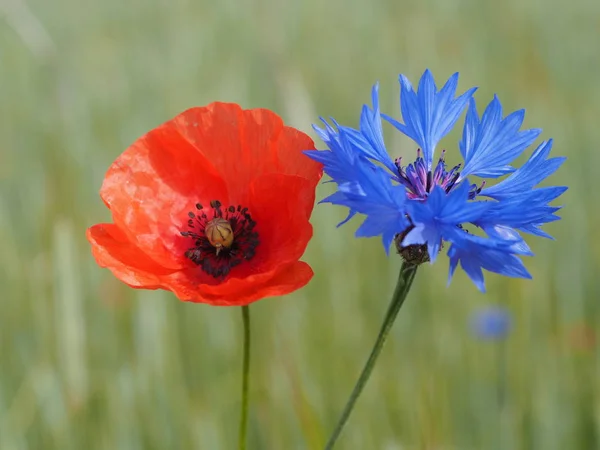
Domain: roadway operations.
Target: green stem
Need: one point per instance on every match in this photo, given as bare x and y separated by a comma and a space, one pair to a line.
245, 372
405, 279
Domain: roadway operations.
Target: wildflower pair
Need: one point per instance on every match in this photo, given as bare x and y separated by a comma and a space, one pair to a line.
214, 205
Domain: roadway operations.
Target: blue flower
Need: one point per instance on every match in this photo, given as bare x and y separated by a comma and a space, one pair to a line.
492, 322
427, 204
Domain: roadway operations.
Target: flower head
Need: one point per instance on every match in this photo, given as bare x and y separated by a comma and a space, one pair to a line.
492, 322
425, 204
213, 205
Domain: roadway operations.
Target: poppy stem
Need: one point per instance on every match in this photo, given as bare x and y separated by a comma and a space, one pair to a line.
405, 279
245, 373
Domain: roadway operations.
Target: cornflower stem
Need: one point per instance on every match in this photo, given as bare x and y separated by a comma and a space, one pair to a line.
405, 279
245, 376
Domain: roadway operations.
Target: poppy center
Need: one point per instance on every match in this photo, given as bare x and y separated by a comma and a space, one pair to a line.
223, 237
219, 233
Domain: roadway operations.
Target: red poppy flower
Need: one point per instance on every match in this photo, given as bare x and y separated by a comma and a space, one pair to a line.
213, 205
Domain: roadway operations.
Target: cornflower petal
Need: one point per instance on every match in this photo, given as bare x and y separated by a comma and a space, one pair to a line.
437, 218
384, 204
523, 210
536, 169
372, 130
476, 253
429, 115
339, 159
490, 144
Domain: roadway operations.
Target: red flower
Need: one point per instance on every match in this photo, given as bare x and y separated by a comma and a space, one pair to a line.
213, 205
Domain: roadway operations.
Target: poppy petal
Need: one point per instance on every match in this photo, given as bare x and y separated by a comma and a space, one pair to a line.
244, 144
112, 249
293, 162
281, 205
151, 187
240, 144
237, 292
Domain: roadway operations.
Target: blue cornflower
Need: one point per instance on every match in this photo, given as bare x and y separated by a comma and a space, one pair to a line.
424, 204
492, 322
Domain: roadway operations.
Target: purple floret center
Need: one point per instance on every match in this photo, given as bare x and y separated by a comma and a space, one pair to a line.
419, 181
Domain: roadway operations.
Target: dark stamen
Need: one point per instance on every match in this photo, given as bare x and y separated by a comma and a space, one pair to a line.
223, 239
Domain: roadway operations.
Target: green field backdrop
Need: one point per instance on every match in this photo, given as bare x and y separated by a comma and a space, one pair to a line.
88, 363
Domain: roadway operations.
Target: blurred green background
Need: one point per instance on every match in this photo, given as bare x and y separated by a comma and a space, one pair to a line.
86, 362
